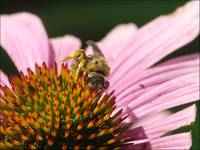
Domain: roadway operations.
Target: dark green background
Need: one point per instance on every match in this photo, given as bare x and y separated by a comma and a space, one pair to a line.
92, 20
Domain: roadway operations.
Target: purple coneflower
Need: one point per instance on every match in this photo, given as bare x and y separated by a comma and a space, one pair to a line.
43, 108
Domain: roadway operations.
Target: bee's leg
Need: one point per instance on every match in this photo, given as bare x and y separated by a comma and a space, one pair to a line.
81, 65
75, 54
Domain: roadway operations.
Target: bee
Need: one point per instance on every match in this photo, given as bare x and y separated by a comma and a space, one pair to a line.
95, 66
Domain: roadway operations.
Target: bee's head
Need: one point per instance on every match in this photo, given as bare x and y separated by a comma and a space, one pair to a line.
97, 81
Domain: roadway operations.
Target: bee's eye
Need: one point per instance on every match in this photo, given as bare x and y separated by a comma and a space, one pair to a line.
106, 85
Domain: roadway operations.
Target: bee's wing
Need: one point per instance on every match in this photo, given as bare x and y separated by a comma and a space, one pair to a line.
96, 50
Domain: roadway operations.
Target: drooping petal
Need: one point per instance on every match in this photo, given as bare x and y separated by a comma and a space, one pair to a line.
156, 40
155, 76
63, 46
4, 79
115, 41
175, 142
176, 92
160, 127
24, 39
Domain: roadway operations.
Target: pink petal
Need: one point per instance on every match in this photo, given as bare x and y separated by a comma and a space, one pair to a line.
4, 79
151, 119
63, 46
176, 92
24, 39
154, 77
182, 59
180, 63
156, 40
173, 142
138, 145
141, 146
142, 87
160, 127
115, 41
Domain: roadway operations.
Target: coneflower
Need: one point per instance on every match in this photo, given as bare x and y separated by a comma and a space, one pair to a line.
44, 110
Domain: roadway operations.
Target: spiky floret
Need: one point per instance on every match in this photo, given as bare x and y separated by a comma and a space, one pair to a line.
47, 110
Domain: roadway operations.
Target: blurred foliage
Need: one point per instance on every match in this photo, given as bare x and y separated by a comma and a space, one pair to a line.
92, 20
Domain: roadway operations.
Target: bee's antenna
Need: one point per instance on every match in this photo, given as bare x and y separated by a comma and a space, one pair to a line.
96, 50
